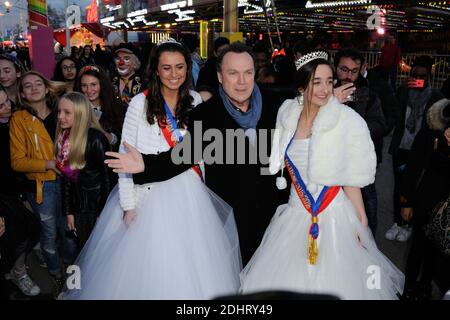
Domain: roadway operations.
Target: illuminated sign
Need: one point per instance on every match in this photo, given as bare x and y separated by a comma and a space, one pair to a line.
251, 8
182, 15
310, 5
133, 18
139, 16
113, 8
176, 5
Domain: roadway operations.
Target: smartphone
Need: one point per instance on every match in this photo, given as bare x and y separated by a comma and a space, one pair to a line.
350, 98
416, 83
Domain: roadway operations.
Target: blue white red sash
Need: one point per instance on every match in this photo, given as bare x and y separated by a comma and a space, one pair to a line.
172, 133
314, 207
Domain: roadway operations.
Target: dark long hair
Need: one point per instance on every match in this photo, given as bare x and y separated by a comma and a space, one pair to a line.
155, 99
58, 75
108, 101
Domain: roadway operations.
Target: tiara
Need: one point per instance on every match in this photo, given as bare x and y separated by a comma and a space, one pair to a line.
310, 57
168, 40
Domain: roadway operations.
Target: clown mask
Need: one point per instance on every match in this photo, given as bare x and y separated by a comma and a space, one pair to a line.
124, 64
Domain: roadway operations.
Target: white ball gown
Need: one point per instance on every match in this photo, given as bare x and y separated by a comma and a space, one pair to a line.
183, 244
346, 267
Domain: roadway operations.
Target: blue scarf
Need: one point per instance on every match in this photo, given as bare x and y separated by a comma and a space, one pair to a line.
249, 119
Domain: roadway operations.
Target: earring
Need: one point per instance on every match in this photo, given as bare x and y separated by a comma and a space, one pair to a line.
300, 100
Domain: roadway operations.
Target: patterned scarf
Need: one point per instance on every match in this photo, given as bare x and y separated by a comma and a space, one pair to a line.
418, 99
62, 157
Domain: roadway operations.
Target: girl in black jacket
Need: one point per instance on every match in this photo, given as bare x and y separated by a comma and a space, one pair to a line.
80, 147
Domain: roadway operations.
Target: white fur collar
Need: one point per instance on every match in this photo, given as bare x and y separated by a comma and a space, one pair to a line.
325, 120
341, 151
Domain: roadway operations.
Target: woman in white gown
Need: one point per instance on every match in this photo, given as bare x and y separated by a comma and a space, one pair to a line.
327, 248
168, 240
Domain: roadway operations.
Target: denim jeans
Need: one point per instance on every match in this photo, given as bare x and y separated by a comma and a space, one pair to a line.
369, 194
49, 213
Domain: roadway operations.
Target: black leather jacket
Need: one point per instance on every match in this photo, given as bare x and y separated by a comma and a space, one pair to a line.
88, 195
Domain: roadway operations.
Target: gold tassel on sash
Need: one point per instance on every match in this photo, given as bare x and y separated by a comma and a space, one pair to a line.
313, 250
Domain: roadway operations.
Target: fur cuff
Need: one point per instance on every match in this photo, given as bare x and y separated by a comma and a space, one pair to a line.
435, 116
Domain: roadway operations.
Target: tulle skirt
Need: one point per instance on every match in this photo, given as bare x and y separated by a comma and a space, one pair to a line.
182, 245
349, 264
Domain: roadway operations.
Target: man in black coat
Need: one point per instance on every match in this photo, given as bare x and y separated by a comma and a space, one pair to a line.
366, 103
236, 173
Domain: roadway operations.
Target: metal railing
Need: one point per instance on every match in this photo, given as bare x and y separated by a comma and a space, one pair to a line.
441, 67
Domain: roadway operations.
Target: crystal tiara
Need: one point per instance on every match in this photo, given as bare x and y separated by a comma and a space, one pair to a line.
310, 57
168, 40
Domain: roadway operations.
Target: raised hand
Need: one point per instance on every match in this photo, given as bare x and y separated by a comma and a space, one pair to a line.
344, 92
130, 162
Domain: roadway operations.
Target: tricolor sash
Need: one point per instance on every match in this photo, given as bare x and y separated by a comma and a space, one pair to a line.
173, 135
314, 207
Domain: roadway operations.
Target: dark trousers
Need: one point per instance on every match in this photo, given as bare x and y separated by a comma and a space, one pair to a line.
419, 265
441, 271
84, 223
21, 235
369, 194
21, 229
399, 159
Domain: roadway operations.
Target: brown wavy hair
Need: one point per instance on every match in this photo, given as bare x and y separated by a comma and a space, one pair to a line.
108, 101
155, 99
51, 98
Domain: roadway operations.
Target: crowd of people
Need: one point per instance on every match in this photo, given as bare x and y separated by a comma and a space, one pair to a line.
89, 177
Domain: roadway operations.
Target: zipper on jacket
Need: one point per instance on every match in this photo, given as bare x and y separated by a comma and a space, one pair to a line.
36, 137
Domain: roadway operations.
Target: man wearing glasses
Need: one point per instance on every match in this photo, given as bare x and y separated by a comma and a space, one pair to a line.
127, 82
353, 90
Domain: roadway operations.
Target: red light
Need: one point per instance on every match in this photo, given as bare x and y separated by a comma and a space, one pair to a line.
380, 31
260, 37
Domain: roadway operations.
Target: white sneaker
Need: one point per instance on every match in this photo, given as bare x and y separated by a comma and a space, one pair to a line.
392, 233
24, 283
404, 234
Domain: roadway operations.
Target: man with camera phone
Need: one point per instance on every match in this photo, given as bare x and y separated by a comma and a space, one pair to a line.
353, 90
